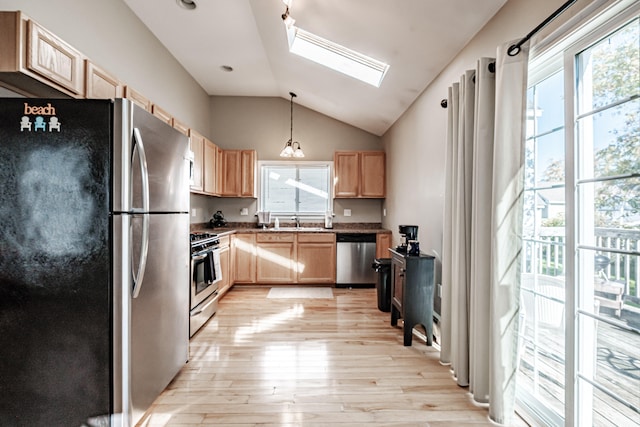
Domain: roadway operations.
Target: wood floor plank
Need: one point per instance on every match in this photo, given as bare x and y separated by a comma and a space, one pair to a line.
310, 362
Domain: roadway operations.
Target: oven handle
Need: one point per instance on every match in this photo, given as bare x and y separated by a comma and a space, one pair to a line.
202, 255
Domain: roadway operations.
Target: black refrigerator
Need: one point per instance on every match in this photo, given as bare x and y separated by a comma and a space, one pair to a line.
94, 261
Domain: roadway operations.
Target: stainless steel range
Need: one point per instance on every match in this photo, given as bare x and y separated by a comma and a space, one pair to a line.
205, 275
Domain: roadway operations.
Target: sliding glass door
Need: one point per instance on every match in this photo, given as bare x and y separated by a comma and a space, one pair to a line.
607, 199
580, 297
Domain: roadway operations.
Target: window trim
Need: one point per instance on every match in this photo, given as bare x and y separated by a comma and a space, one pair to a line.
328, 164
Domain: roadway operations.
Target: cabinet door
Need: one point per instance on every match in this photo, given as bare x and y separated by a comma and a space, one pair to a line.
180, 127
244, 258
100, 84
248, 172
225, 260
398, 283
219, 171
347, 174
231, 182
276, 263
372, 174
54, 59
161, 114
383, 243
209, 167
197, 146
316, 263
139, 99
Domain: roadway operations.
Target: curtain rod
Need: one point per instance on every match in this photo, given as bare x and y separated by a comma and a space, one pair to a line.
515, 48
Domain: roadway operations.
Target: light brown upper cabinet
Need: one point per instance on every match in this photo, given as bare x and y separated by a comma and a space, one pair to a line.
100, 84
210, 153
238, 173
197, 146
35, 62
137, 98
359, 174
56, 60
248, 173
180, 127
162, 114
205, 165
219, 170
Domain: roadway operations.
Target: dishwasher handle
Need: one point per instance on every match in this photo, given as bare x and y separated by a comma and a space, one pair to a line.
356, 237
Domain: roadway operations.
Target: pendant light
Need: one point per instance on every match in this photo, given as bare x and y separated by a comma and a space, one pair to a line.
292, 148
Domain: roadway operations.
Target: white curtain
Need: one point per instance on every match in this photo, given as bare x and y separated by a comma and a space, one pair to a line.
482, 229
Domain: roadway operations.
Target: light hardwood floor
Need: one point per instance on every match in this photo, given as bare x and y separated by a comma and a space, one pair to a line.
310, 362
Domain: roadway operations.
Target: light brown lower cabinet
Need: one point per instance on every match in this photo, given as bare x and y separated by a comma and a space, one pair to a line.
316, 258
244, 257
225, 265
290, 258
284, 258
276, 258
383, 243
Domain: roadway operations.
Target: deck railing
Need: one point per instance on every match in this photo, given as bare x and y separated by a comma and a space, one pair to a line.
624, 268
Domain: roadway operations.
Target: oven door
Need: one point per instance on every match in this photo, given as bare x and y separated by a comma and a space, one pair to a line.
205, 275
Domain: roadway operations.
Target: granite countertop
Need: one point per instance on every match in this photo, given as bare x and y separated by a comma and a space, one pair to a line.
290, 228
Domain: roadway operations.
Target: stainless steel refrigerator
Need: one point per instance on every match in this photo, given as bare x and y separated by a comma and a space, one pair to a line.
94, 261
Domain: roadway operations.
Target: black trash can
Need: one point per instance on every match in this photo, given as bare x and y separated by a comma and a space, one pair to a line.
383, 286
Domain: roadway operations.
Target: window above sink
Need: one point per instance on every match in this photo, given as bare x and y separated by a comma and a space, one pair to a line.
290, 188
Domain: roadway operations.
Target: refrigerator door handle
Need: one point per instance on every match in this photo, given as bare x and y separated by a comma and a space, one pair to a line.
144, 248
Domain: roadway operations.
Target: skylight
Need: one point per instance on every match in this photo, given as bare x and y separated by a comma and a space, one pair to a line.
335, 56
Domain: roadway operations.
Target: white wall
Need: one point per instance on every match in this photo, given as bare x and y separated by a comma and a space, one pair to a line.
112, 36
415, 144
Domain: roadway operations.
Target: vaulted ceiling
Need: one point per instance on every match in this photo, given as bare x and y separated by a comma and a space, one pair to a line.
417, 38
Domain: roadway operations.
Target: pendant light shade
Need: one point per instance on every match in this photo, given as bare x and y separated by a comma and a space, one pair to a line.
292, 148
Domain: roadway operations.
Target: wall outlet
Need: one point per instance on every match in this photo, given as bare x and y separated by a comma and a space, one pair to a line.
347, 212
244, 211
194, 212
384, 212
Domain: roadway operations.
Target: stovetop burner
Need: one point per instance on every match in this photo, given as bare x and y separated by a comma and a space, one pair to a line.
203, 240
201, 235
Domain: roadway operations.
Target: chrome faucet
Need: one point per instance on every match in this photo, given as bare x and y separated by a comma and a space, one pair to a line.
297, 220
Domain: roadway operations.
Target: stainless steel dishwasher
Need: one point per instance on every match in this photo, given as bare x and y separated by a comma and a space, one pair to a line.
355, 253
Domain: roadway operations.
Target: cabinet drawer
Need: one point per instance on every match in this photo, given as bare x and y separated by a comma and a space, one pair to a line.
316, 237
275, 237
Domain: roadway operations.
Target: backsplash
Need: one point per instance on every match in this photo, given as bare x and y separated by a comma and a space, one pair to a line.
362, 210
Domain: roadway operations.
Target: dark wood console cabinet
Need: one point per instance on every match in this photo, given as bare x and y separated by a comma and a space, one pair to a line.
412, 286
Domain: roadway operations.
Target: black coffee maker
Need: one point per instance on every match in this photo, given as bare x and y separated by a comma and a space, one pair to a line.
410, 233
218, 220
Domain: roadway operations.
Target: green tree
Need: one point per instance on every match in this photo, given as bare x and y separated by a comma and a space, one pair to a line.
615, 69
